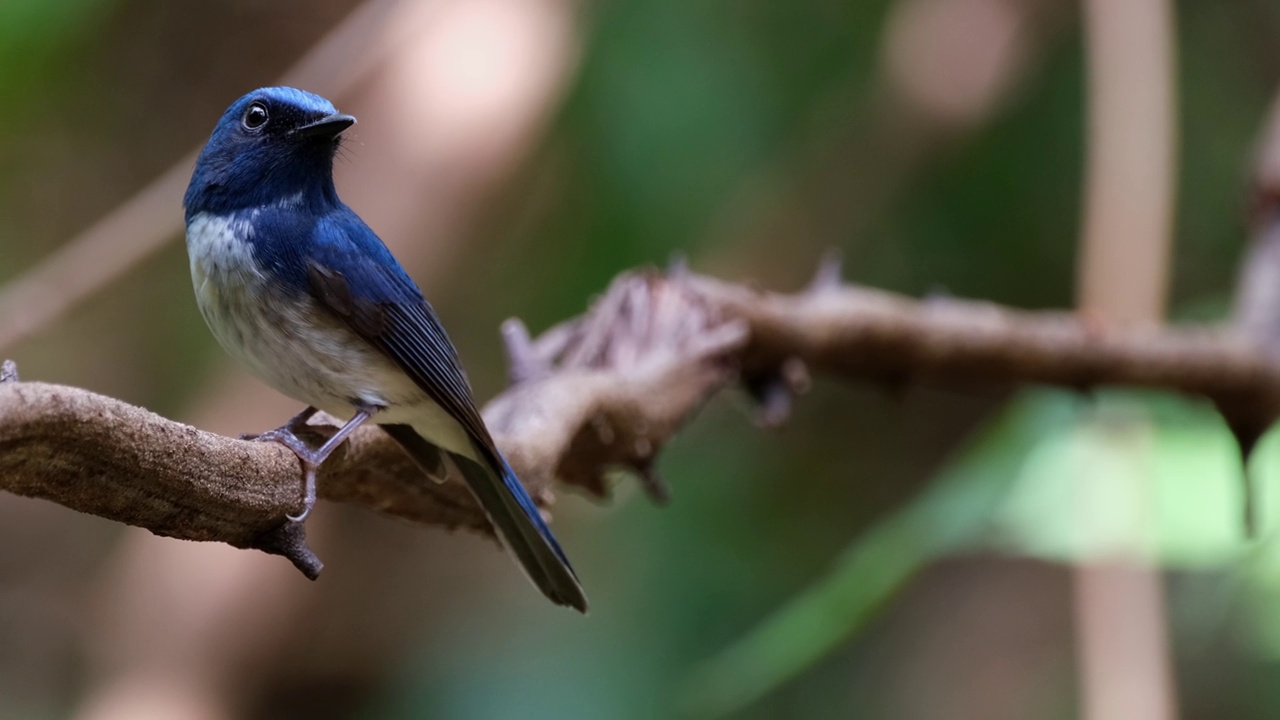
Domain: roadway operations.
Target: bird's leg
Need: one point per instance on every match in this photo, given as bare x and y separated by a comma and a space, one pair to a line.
309, 458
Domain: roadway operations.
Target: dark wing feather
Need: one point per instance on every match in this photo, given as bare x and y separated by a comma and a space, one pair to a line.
368, 289
415, 339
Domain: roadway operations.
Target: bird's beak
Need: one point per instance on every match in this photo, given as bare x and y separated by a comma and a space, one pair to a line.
328, 126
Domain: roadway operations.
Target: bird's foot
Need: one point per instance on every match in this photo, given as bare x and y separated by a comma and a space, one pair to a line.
294, 426
309, 459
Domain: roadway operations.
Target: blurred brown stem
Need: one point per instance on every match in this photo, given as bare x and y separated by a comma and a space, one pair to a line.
1123, 654
602, 391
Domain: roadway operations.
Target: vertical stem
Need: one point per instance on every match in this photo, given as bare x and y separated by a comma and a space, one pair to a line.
1130, 178
1123, 653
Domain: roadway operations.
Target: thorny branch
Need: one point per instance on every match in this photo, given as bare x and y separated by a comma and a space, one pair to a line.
600, 392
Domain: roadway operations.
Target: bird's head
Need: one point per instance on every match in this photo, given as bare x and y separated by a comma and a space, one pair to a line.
273, 145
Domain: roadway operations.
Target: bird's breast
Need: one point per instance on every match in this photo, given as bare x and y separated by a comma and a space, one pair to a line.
280, 333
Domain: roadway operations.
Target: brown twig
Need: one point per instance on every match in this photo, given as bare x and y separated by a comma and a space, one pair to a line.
8, 371
603, 391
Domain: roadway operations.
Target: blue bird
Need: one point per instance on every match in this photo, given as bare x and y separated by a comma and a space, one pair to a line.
294, 285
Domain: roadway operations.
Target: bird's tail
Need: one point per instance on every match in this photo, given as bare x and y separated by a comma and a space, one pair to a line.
520, 525
513, 514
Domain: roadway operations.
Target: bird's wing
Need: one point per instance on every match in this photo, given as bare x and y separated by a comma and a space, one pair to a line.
346, 267
351, 272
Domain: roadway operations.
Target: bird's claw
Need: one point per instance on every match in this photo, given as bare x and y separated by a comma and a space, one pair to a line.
284, 436
309, 458
306, 456
309, 493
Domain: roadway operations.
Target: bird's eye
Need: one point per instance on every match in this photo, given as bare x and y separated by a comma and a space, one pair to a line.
255, 117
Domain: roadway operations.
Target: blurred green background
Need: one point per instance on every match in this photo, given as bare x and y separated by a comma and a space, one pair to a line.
888, 553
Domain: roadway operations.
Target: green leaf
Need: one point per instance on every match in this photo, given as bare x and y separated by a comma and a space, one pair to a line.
1135, 475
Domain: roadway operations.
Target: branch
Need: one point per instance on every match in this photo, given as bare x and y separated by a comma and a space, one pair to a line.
854, 332
603, 391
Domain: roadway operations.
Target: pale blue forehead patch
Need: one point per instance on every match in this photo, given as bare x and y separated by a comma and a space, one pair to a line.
301, 99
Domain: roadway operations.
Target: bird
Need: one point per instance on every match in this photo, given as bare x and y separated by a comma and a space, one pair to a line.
294, 285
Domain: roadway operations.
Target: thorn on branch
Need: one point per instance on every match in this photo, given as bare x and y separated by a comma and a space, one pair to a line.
722, 340
523, 364
551, 344
796, 375
774, 391
939, 294
289, 539
774, 400
1247, 427
827, 277
8, 371
678, 267
654, 486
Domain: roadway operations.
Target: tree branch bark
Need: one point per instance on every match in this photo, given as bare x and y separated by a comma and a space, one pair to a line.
600, 392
